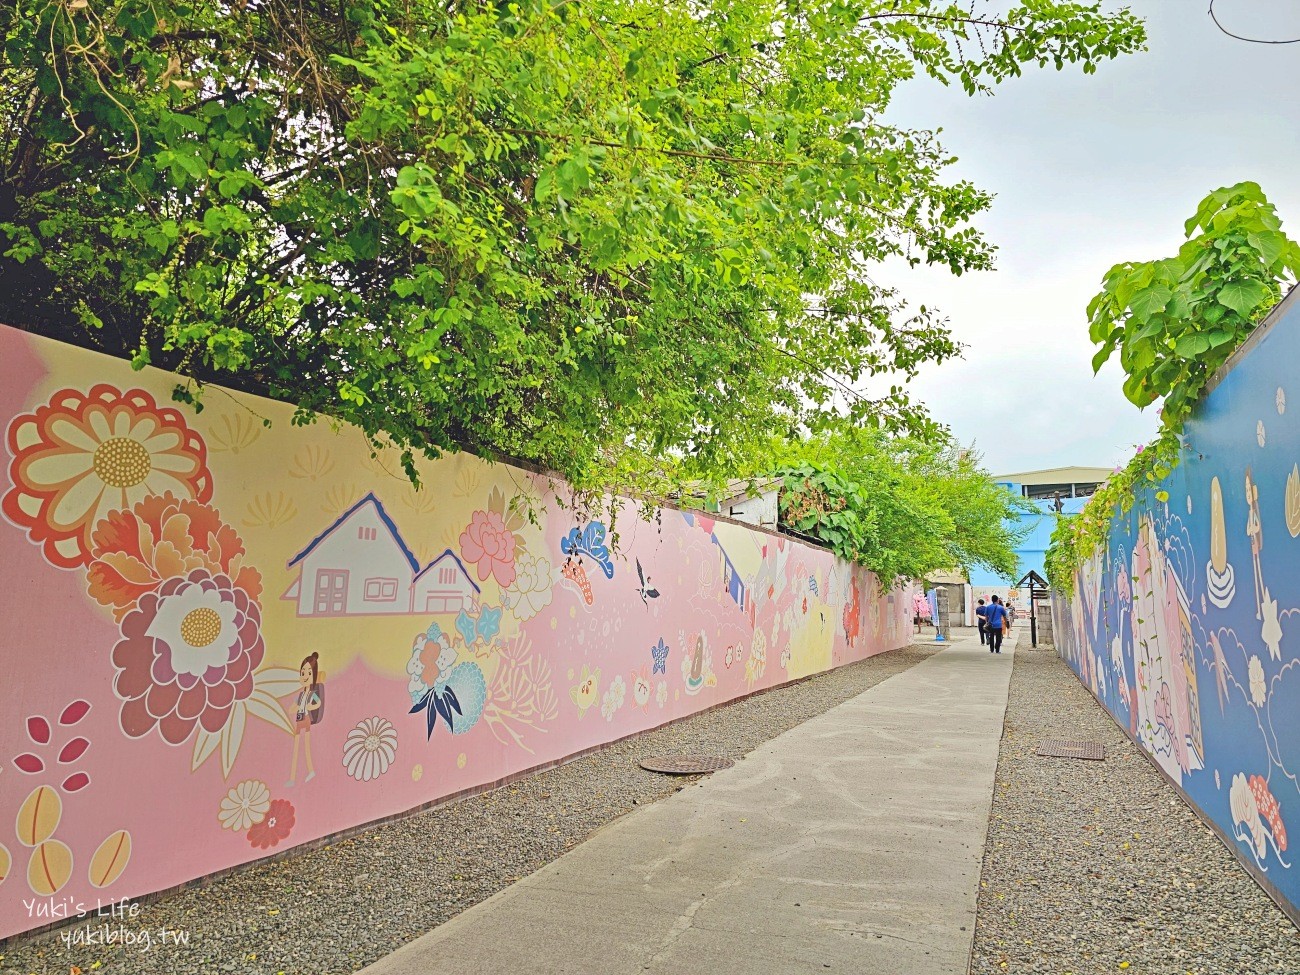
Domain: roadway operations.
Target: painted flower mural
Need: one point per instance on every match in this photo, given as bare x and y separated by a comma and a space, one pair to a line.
275, 826
531, 591
244, 806
197, 571
614, 698
641, 689
370, 749
487, 543
162, 537
442, 687
756, 664
187, 656
1258, 690
83, 455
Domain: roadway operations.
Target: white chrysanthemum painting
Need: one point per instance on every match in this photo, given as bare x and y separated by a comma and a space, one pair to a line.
614, 697
370, 749
245, 805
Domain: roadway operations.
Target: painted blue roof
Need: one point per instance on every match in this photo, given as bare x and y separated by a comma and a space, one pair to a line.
457, 560
383, 516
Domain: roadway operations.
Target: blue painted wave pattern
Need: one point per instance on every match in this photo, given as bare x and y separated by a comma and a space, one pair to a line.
1187, 628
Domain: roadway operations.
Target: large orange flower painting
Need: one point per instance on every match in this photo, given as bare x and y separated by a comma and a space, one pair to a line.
83, 455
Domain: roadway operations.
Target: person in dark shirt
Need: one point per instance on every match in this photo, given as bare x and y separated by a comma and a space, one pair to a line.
995, 616
980, 612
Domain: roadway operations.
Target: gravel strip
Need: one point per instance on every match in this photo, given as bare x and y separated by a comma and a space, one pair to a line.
342, 907
1100, 866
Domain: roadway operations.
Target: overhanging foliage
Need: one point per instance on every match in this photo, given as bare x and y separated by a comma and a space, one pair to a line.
587, 234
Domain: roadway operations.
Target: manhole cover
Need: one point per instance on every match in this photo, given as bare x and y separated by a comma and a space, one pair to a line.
1093, 751
685, 764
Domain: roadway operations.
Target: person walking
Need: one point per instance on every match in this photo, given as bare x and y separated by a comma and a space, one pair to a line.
981, 611
996, 617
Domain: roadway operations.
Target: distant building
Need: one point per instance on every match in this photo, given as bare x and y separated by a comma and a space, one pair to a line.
755, 502
1071, 482
1075, 486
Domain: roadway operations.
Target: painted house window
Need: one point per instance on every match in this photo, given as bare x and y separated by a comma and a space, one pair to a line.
331, 592
381, 590
447, 575
367, 534
444, 602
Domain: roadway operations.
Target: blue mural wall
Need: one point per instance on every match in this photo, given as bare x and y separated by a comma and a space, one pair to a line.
1187, 627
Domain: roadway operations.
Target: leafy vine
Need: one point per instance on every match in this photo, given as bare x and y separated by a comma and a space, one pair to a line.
1175, 322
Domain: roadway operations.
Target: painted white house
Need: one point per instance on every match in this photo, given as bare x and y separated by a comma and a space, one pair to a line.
443, 586
359, 566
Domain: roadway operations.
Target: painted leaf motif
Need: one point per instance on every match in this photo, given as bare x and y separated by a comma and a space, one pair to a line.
466, 626
29, 763
205, 743
110, 859
489, 623
263, 705
49, 868
38, 729
73, 750
76, 782
74, 712
39, 816
232, 736
277, 682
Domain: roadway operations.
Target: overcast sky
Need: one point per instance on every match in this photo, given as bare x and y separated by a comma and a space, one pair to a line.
1090, 170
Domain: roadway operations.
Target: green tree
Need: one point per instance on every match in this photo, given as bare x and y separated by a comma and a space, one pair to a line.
588, 234
903, 507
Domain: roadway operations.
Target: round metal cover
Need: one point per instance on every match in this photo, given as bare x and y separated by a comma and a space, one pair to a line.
685, 764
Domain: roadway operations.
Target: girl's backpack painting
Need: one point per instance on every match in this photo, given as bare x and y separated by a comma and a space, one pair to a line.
319, 691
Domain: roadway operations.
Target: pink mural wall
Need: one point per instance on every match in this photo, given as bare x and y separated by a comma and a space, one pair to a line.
223, 639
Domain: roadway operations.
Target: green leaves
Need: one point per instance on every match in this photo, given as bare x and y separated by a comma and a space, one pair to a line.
1175, 322
1149, 301
618, 239
1245, 297
903, 507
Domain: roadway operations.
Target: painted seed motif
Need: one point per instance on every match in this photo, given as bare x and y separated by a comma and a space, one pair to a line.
200, 627
121, 462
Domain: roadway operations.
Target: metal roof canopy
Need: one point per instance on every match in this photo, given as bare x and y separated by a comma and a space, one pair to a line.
1038, 589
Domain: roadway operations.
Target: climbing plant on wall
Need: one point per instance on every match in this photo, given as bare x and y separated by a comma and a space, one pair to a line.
1174, 322
587, 234
903, 507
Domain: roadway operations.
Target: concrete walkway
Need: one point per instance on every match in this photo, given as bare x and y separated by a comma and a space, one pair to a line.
852, 843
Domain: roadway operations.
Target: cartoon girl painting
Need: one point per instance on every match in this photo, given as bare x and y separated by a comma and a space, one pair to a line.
1255, 531
307, 705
